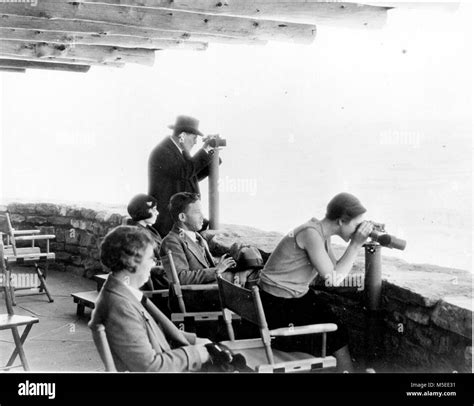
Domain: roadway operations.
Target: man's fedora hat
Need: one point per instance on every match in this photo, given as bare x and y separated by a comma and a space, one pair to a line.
186, 124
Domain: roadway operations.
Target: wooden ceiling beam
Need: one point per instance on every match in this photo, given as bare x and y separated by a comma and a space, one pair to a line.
426, 5
106, 29
123, 41
12, 70
167, 19
88, 52
68, 61
24, 64
350, 14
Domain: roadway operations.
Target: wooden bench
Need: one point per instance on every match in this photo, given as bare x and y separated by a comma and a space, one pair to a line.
100, 279
88, 299
85, 299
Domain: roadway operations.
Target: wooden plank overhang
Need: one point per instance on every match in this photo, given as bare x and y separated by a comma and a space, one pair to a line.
24, 64
116, 32
12, 70
307, 11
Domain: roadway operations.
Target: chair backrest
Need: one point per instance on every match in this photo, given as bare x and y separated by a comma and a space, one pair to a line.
239, 300
248, 305
5, 281
175, 284
7, 228
5, 222
13, 236
102, 345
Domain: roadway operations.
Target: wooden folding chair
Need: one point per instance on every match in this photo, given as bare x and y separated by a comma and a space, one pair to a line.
12, 321
189, 321
259, 353
100, 340
177, 290
24, 256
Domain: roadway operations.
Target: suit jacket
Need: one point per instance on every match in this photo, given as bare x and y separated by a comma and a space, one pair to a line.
140, 342
192, 265
170, 172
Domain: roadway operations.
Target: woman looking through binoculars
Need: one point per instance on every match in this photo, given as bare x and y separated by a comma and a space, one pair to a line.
298, 259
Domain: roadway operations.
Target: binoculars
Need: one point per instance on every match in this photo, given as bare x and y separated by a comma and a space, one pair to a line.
215, 141
380, 236
223, 358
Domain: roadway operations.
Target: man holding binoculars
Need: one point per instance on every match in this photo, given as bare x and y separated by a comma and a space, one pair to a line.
172, 169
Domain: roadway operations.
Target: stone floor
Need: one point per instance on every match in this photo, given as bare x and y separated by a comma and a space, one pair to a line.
61, 341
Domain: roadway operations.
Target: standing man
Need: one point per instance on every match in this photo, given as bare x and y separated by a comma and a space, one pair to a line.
171, 169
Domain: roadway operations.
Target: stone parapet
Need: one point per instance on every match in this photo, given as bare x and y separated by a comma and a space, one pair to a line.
425, 321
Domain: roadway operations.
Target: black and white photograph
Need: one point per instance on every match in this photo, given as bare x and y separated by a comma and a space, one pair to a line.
272, 195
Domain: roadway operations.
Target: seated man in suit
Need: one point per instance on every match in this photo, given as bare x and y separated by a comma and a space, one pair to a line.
193, 260
140, 336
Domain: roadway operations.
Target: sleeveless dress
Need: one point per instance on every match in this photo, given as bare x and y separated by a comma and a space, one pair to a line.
288, 300
289, 272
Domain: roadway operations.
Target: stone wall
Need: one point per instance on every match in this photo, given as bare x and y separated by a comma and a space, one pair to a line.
78, 231
425, 320
424, 325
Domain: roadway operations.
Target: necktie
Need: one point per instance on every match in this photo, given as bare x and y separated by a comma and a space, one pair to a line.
205, 250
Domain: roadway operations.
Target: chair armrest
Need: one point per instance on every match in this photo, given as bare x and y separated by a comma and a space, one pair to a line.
198, 316
199, 287
23, 232
303, 330
158, 292
35, 237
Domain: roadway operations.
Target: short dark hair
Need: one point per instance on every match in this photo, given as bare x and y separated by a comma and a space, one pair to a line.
140, 205
179, 202
345, 207
123, 248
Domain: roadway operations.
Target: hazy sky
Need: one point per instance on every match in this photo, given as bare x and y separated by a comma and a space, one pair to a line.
385, 114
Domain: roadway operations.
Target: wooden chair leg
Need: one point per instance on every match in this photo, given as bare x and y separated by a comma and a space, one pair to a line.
43, 283
7, 291
45, 276
25, 333
269, 353
12, 295
19, 348
80, 309
230, 329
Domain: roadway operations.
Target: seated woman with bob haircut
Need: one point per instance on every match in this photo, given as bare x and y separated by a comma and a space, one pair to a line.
140, 336
143, 212
303, 255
